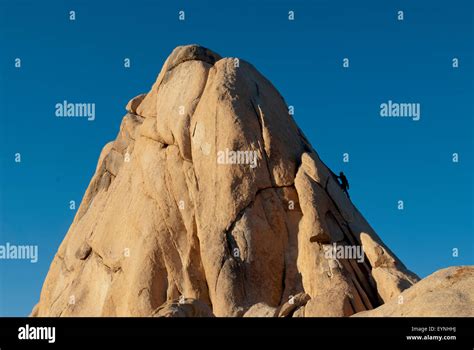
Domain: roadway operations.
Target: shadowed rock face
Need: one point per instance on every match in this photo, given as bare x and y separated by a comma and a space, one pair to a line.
170, 214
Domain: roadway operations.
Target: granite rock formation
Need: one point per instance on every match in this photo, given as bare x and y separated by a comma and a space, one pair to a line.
446, 293
211, 201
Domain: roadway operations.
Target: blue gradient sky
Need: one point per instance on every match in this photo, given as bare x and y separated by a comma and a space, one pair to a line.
338, 109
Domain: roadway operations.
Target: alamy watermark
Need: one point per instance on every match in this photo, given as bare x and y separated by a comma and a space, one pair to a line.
337, 252
67, 109
37, 333
19, 252
238, 157
400, 110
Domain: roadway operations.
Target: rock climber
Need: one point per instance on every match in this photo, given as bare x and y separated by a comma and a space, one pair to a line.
343, 182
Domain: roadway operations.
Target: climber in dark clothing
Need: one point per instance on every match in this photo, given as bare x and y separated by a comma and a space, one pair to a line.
343, 182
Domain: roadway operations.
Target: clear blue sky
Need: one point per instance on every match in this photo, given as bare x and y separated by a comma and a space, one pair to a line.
338, 109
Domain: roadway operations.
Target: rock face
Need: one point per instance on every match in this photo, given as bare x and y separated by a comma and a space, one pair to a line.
213, 195
446, 293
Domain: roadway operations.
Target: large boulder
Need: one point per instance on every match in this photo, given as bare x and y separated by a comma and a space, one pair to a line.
212, 193
446, 293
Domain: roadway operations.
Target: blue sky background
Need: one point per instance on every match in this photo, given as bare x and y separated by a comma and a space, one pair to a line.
337, 108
